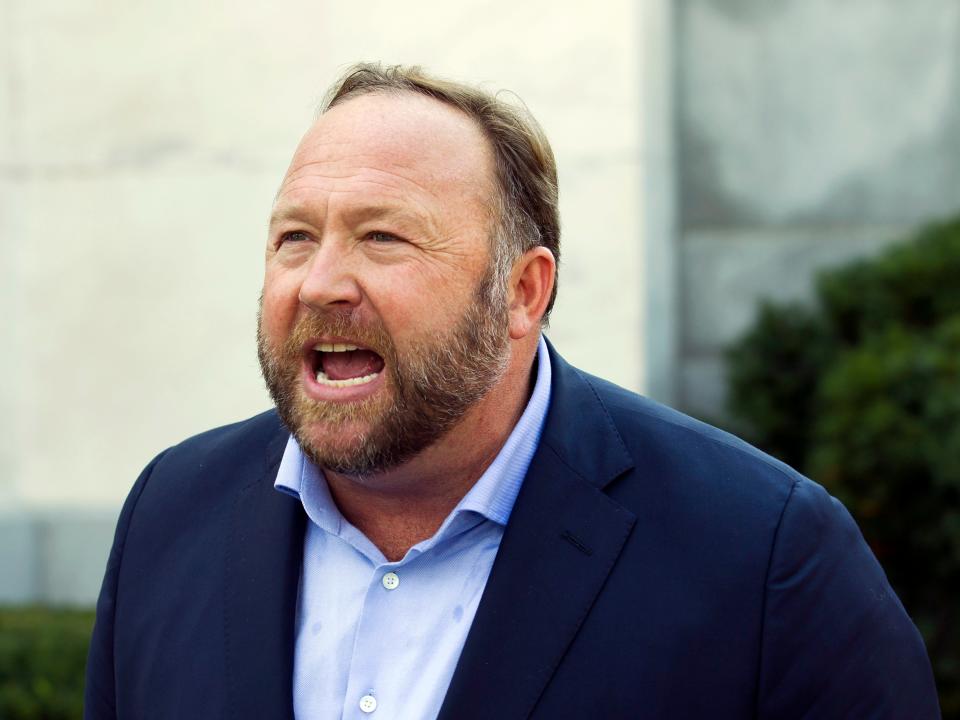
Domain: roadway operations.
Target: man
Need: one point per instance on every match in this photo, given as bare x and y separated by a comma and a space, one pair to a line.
442, 517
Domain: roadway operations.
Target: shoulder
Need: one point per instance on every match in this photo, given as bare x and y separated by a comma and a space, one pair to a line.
184, 498
204, 468
227, 445
692, 459
256, 431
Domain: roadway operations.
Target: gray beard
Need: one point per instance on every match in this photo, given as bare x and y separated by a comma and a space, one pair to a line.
430, 387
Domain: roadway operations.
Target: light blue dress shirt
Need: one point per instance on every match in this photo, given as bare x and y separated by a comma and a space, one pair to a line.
382, 639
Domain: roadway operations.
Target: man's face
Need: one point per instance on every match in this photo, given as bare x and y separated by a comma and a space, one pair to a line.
379, 241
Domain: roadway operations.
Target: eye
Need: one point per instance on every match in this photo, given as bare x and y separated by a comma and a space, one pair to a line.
295, 236
378, 236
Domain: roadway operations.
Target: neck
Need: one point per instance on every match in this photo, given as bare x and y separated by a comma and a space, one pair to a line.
405, 505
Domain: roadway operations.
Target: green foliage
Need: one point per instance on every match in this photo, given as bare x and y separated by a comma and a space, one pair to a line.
43, 653
913, 285
771, 372
862, 392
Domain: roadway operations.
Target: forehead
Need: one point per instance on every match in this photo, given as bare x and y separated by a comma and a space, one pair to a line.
391, 149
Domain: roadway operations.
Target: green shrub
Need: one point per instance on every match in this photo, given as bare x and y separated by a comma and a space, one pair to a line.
771, 373
915, 285
43, 654
862, 393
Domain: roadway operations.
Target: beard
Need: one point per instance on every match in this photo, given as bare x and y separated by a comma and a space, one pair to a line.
429, 386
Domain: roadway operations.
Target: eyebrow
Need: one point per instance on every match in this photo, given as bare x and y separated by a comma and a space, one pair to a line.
288, 212
354, 215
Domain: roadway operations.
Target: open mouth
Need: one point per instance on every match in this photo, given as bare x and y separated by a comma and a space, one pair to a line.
344, 365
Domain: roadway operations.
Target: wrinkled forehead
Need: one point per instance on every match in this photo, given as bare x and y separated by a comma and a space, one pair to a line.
414, 138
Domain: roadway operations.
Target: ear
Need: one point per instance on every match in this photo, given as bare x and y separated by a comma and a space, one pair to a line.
531, 283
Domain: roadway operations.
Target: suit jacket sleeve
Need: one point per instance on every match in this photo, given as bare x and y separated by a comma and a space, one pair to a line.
100, 693
836, 641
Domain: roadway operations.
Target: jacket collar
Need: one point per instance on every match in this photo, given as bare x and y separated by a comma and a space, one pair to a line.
579, 430
563, 527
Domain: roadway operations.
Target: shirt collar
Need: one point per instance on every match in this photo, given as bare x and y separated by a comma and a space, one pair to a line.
492, 496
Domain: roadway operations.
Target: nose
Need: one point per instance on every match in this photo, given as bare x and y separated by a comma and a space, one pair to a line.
332, 278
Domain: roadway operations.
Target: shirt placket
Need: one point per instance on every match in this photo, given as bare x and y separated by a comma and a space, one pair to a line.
370, 692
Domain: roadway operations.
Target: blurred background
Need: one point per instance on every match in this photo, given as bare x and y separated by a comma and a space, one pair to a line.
756, 199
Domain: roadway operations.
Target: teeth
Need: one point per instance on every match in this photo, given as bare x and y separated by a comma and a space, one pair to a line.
334, 347
324, 380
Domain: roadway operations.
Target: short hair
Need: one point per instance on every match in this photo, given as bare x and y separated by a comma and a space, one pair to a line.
526, 172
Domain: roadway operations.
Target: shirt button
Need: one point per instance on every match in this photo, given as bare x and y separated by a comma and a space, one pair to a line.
391, 581
368, 703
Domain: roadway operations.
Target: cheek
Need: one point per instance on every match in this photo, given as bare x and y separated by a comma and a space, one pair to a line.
411, 304
279, 309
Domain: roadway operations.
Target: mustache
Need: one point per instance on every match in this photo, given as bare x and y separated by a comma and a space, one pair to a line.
342, 324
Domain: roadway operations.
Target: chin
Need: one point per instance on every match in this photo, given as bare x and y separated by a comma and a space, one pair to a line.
334, 437
336, 445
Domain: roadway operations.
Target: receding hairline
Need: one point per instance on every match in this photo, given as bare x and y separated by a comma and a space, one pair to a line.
453, 110
450, 118
366, 78
463, 98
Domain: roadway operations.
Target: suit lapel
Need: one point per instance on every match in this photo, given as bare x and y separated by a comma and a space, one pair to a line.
263, 558
563, 538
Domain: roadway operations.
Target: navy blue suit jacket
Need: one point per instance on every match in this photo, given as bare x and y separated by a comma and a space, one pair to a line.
653, 567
